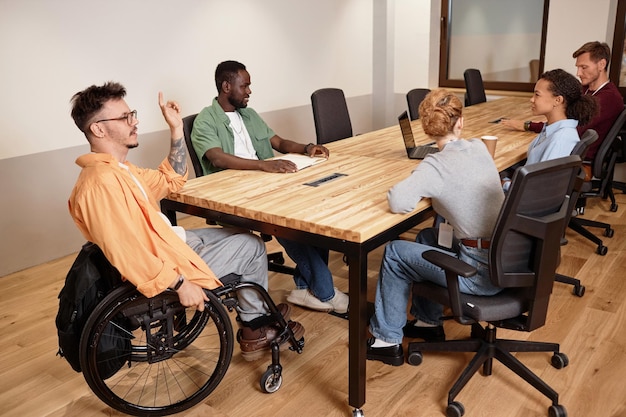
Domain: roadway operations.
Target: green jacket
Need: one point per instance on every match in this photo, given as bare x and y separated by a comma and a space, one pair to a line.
211, 129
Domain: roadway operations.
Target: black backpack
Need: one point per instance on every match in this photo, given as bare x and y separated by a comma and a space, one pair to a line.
88, 281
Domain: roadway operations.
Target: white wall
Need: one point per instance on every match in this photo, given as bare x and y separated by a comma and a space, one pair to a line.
52, 49
412, 44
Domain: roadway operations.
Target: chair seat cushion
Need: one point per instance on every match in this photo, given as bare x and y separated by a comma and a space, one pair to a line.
507, 304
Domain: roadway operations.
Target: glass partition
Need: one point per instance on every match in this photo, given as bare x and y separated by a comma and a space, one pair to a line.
504, 39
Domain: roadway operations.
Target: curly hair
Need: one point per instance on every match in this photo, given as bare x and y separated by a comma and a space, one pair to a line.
439, 112
227, 71
579, 106
86, 103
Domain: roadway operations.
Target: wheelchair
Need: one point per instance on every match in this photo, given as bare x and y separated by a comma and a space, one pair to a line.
154, 357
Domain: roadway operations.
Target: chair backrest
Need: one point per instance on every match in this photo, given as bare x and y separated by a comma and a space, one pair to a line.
602, 164
413, 99
585, 141
187, 128
474, 88
580, 149
524, 250
330, 115
533, 65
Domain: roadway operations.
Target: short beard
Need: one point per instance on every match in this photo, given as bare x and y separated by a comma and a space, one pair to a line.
237, 104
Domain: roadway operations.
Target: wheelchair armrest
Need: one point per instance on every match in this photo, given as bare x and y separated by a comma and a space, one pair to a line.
453, 267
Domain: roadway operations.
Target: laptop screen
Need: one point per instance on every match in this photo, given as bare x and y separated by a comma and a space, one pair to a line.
407, 132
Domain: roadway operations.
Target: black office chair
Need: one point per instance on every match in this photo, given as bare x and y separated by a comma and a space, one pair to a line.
474, 87
187, 128
589, 137
602, 169
413, 99
621, 158
523, 257
275, 260
330, 115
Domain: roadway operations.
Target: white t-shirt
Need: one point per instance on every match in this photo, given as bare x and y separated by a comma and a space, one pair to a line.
243, 143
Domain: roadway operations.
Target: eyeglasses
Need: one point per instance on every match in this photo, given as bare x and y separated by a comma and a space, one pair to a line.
129, 117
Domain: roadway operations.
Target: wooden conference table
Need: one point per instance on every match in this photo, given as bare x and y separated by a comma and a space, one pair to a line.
341, 204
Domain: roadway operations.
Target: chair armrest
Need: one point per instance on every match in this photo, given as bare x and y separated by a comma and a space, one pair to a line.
449, 263
453, 267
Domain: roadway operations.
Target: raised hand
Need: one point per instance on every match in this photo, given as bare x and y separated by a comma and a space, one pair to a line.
171, 114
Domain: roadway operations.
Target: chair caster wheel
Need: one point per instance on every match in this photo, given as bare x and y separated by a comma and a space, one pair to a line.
271, 381
415, 358
455, 409
613, 208
602, 250
557, 411
357, 412
559, 360
609, 232
579, 290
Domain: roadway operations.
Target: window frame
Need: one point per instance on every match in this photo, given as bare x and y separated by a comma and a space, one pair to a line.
444, 81
617, 50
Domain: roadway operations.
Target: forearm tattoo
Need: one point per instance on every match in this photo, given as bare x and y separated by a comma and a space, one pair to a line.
178, 156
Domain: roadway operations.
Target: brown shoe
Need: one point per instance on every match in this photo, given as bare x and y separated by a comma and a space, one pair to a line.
285, 310
254, 343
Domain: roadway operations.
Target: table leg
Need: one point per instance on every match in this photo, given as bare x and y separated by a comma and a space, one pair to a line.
357, 265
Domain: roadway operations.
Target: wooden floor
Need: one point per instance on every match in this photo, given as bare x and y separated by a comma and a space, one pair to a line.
591, 330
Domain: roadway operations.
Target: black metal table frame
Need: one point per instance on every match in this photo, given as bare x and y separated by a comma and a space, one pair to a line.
356, 253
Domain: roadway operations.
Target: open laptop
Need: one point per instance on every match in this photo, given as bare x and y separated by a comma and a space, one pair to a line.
412, 151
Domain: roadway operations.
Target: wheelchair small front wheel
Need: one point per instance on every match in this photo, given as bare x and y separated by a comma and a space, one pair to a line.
271, 381
153, 356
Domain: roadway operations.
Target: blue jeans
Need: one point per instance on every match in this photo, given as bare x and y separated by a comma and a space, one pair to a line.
311, 268
403, 265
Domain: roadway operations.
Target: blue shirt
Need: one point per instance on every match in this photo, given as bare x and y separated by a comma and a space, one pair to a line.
556, 140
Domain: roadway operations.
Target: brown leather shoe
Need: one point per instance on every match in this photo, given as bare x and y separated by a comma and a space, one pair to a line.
285, 310
254, 343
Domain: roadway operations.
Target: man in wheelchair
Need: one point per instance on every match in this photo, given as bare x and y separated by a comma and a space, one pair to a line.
115, 205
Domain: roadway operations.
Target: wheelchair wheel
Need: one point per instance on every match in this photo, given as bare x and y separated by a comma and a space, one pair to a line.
152, 356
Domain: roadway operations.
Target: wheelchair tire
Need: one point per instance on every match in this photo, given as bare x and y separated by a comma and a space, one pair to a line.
177, 356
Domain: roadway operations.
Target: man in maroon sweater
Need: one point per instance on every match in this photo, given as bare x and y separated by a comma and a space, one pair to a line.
592, 60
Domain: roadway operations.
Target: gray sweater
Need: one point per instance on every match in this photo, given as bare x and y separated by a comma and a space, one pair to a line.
463, 184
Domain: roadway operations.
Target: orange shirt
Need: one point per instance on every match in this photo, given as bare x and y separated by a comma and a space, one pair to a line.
111, 211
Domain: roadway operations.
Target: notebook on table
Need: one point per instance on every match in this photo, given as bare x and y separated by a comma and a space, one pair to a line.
412, 151
302, 161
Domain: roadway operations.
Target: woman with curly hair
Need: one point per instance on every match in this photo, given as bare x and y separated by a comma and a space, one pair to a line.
559, 97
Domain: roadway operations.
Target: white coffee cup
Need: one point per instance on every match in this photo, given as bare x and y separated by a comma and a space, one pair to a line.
490, 142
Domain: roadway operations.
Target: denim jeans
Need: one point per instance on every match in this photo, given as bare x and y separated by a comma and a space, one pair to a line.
403, 265
311, 268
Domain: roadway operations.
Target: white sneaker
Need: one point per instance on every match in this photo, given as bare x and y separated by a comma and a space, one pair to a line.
340, 302
306, 299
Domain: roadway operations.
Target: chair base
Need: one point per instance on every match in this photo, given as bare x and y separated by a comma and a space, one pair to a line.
276, 263
488, 347
578, 289
620, 186
578, 225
